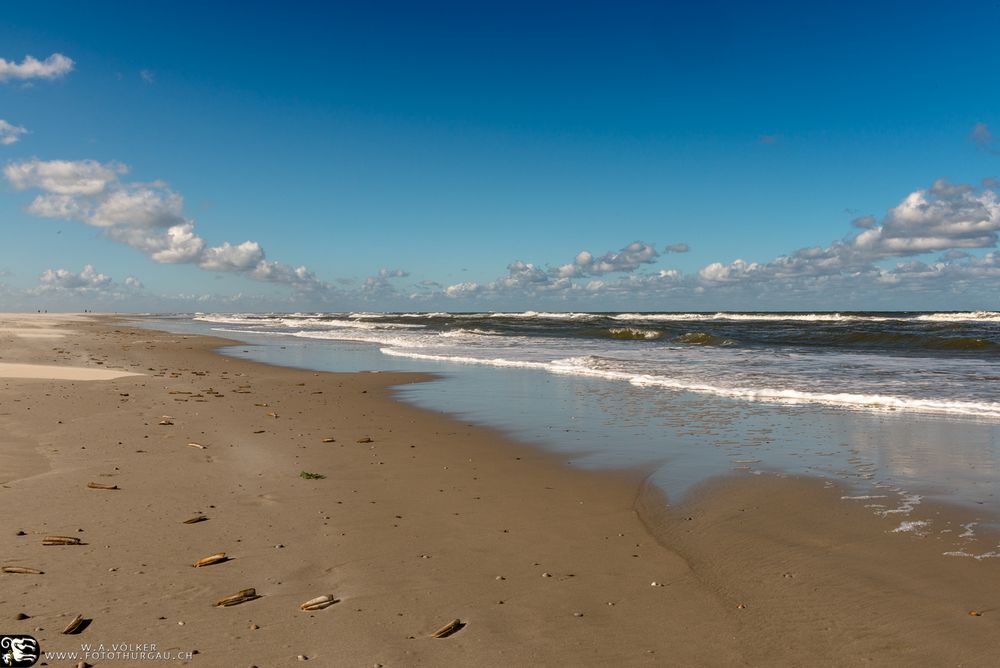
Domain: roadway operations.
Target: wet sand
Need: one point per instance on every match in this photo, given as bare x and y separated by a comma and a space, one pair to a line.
419, 520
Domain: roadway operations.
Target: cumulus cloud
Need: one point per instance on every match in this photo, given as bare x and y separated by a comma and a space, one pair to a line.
146, 216
87, 280
226, 257
677, 248
63, 177
380, 285
529, 278
53, 67
627, 259
10, 133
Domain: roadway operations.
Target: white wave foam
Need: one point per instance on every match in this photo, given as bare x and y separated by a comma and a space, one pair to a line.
238, 319
596, 367
540, 315
911, 526
475, 331
977, 557
634, 333
968, 316
777, 317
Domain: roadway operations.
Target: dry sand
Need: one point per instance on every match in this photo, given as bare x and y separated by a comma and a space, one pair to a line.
428, 521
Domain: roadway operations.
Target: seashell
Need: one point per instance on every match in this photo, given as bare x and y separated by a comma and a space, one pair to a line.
318, 603
242, 596
975, 613
21, 570
197, 445
97, 485
212, 559
329, 440
272, 414
447, 629
60, 540
366, 439
165, 423
261, 405
195, 519
74, 626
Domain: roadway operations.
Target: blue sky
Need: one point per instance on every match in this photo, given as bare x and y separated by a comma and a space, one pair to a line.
462, 156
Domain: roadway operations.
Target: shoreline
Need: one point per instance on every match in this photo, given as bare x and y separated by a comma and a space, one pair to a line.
415, 527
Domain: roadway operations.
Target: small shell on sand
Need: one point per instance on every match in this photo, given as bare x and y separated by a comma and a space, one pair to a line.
74, 626
447, 629
165, 423
21, 570
60, 540
197, 445
366, 439
195, 519
329, 440
318, 603
212, 559
242, 596
97, 485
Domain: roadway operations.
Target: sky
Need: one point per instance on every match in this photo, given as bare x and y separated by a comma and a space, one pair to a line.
380, 156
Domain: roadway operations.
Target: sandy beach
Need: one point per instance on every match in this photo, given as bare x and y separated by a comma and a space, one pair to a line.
411, 520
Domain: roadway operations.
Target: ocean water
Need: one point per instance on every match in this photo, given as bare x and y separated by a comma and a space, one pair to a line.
946, 363
900, 406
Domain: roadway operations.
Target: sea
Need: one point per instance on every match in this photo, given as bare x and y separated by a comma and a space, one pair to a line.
897, 406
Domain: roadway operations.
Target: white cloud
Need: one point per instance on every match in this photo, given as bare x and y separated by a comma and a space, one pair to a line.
241, 257
53, 67
133, 282
63, 177
941, 217
147, 76
139, 207
677, 248
146, 216
10, 133
627, 259
88, 280
380, 285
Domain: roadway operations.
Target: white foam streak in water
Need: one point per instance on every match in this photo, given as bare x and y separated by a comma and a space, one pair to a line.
762, 317
911, 526
971, 316
581, 366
